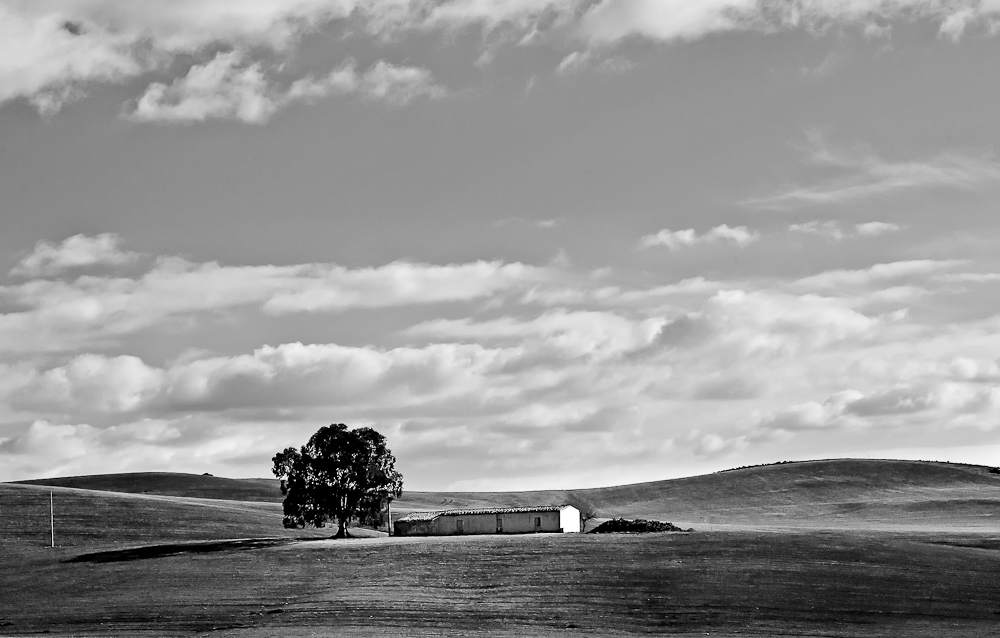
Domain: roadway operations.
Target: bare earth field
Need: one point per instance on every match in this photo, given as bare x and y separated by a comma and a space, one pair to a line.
838, 548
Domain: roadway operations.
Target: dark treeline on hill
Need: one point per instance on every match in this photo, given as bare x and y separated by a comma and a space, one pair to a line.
993, 470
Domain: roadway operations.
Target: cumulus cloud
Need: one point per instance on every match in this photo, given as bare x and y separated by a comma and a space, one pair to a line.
46, 61
943, 401
54, 315
220, 88
873, 229
49, 259
56, 49
46, 448
227, 87
879, 273
579, 61
336, 288
296, 375
90, 383
53, 48
835, 230
482, 360
611, 20
676, 239
585, 333
397, 84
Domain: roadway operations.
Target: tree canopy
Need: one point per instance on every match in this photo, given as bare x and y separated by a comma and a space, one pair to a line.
339, 475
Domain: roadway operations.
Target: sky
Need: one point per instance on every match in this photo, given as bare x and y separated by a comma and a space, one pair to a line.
535, 243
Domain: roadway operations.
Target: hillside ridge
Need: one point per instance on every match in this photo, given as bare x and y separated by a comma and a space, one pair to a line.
804, 491
134, 482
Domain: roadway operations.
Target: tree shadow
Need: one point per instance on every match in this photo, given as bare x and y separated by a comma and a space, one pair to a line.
178, 549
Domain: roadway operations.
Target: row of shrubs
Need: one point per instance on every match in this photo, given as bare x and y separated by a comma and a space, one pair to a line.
635, 526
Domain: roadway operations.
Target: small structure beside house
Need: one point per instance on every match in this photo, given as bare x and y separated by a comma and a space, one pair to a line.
493, 520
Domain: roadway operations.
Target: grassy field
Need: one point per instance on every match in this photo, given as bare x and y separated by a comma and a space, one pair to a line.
848, 548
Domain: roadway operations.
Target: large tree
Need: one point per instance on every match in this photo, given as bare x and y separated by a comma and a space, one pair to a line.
339, 475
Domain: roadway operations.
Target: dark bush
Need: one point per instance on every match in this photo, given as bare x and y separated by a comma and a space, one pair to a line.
635, 526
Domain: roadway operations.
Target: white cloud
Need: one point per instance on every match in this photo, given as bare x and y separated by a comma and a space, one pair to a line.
489, 360
877, 274
596, 335
676, 239
534, 223
48, 259
830, 229
401, 283
44, 61
969, 277
873, 229
869, 176
579, 61
228, 88
55, 49
296, 376
612, 20
55, 315
220, 88
575, 61
46, 449
945, 402
834, 230
955, 24
398, 84
91, 383
526, 15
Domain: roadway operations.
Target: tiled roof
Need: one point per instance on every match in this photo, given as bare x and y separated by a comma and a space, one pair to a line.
418, 516
503, 510
429, 516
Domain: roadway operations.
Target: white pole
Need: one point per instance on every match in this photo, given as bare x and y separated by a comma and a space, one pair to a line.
52, 520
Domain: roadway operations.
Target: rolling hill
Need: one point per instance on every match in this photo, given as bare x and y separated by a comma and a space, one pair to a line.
830, 493
172, 484
142, 563
834, 493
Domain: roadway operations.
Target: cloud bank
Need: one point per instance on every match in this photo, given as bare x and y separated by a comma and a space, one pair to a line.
56, 50
492, 367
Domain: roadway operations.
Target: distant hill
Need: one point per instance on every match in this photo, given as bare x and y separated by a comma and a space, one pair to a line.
808, 493
172, 484
86, 518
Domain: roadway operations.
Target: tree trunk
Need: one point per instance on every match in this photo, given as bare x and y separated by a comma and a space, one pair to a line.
342, 532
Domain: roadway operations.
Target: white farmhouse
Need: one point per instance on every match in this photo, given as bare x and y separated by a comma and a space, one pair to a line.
494, 520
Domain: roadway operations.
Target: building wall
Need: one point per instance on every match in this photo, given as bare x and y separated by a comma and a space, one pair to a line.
569, 519
513, 523
414, 528
566, 520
